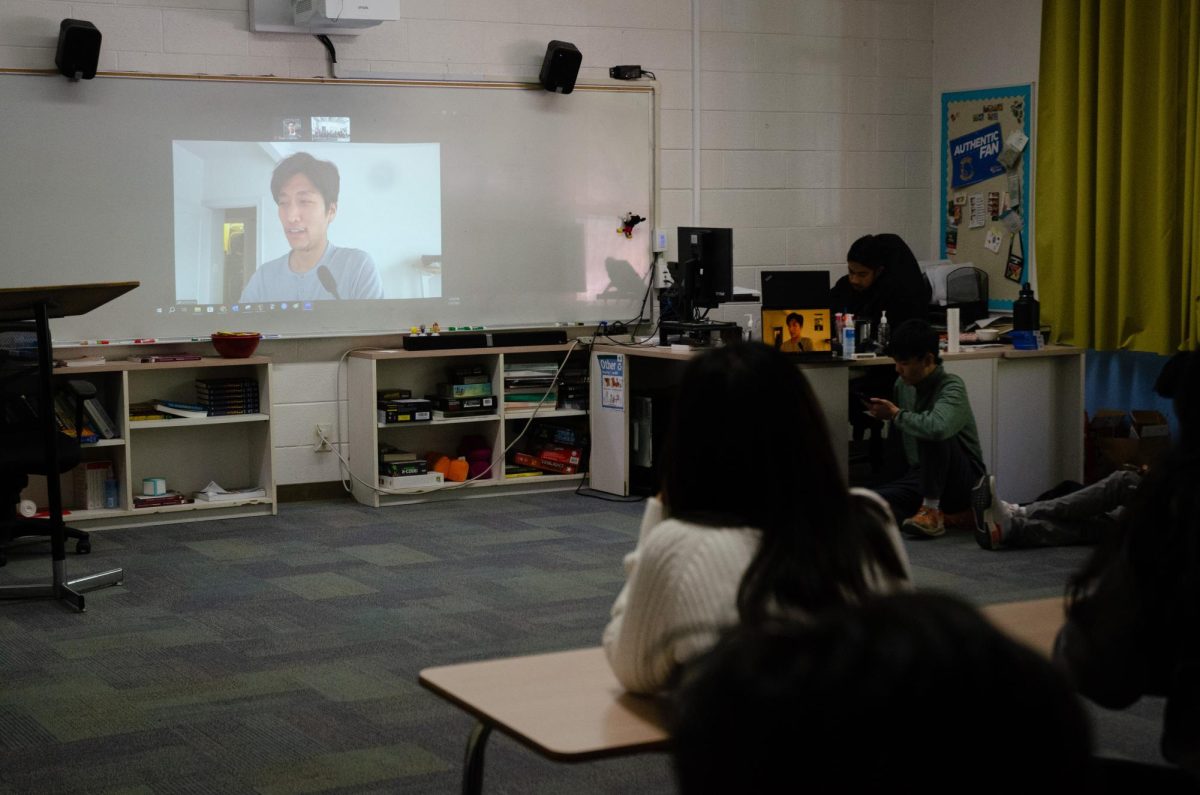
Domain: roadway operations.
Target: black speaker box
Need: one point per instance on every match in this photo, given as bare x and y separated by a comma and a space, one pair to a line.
560, 67
503, 339
78, 49
443, 341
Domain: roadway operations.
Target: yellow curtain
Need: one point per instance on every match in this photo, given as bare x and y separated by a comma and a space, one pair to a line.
1118, 178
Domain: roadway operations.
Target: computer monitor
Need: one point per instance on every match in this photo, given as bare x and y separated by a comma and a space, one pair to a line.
705, 266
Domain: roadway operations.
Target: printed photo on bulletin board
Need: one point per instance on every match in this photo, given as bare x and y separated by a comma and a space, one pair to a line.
987, 149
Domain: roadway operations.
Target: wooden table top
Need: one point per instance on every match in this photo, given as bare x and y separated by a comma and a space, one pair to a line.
1035, 622
566, 705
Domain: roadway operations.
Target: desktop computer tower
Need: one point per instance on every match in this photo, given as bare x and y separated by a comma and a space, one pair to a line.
649, 418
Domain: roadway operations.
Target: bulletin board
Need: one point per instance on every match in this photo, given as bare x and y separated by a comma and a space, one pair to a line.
986, 156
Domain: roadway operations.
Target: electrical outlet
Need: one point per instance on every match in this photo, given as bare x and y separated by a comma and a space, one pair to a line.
320, 445
660, 241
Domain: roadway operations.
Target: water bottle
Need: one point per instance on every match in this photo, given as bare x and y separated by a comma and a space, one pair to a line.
848, 341
883, 333
111, 498
1026, 311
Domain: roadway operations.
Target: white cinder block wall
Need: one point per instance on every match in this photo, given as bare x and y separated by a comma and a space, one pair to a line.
816, 116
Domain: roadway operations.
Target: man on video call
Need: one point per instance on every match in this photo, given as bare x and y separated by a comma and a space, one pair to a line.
306, 191
796, 342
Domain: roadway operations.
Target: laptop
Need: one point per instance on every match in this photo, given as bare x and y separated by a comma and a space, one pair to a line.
796, 318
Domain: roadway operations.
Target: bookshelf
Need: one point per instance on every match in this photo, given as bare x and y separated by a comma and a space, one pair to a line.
370, 371
233, 450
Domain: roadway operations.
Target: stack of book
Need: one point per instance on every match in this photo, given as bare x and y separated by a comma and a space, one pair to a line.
573, 388
527, 383
174, 408
400, 469
398, 406
225, 396
141, 412
555, 448
467, 393
397, 463
170, 498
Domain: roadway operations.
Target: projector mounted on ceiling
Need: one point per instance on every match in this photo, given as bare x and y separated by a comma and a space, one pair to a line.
344, 13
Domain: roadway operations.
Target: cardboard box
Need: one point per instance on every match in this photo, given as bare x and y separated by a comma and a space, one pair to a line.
1117, 438
1149, 424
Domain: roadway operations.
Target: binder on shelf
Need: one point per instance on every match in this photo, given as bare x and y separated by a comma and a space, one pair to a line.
100, 418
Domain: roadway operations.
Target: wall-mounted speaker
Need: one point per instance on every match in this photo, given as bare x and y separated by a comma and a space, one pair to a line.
560, 67
78, 49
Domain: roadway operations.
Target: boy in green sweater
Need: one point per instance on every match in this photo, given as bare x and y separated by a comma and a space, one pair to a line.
941, 442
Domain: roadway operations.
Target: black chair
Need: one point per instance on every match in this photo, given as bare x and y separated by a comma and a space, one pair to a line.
25, 314
24, 451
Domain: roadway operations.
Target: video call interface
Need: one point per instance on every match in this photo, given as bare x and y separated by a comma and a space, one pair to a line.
308, 218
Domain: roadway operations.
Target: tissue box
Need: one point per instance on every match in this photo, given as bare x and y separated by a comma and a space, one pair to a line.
154, 487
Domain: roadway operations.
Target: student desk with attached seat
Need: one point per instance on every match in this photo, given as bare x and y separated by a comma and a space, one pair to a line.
1028, 408
568, 706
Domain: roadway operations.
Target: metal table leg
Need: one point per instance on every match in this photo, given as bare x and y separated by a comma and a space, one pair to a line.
473, 762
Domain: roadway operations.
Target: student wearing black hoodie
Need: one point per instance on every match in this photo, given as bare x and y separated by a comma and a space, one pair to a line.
883, 277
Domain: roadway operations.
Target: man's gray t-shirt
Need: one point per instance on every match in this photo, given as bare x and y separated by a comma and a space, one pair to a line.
354, 275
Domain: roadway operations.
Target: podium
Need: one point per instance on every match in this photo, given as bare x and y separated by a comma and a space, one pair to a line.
36, 306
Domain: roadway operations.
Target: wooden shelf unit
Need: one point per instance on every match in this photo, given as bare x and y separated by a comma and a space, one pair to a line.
233, 450
420, 372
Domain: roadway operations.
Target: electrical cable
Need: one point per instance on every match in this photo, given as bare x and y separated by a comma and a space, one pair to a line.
646, 295
321, 37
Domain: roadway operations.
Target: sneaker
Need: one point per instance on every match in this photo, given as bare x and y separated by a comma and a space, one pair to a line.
926, 523
989, 533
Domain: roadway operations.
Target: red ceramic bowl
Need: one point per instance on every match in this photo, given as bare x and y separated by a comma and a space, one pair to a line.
236, 345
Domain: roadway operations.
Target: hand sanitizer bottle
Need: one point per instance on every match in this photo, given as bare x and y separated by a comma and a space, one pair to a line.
883, 334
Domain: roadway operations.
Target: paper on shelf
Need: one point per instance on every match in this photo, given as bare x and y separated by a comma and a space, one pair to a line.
215, 492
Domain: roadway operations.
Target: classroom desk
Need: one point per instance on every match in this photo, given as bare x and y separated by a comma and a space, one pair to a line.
568, 706
1028, 408
1035, 622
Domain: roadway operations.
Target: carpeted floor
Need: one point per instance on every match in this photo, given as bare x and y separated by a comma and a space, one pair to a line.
280, 655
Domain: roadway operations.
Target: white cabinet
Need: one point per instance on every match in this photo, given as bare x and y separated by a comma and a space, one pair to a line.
372, 371
234, 450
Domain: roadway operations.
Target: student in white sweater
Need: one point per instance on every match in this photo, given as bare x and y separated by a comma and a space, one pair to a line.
754, 520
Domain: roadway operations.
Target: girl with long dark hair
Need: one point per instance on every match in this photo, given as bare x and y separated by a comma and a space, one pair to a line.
754, 519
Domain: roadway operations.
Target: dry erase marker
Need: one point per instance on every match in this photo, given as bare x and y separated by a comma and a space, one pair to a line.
144, 341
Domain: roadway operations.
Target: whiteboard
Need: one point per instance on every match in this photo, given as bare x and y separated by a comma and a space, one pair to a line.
514, 220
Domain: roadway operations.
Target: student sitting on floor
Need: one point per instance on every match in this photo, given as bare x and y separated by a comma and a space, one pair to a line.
906, 692
1133, 622
1086, 516
754, 519
941, 442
